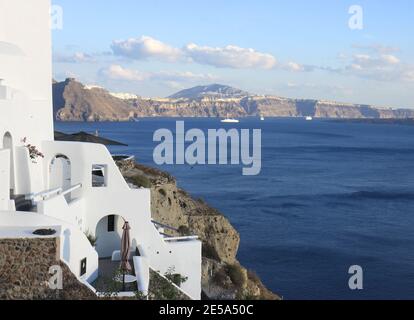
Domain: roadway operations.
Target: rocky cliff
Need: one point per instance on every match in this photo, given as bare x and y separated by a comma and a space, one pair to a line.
72, 101
24, 272
75, 102
223, 276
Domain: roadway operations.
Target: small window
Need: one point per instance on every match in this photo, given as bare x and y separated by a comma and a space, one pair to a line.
99, 176
84, 264
111, 223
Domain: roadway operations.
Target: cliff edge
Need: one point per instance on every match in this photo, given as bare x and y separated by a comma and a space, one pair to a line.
223, 277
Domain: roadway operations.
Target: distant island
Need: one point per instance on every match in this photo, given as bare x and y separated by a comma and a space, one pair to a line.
74, 101
406, 121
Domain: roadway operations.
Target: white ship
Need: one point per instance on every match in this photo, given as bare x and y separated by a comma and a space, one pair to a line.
230, 120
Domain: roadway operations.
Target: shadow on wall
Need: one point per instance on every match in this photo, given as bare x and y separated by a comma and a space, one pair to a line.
109, 234
8, 144
66, 245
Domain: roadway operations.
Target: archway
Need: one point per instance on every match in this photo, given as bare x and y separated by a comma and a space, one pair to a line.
60, 173
8, 144
109, 233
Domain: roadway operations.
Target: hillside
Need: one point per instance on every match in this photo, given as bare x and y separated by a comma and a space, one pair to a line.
75, 102
217, 91
72, 101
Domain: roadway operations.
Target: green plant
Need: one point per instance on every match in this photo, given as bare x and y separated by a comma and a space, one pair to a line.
175, 278
246, 296
34, 153
236, 275
162, 289
92, 239
253, 276
109, 286
140, 181
220, 277
140, 296
184, 231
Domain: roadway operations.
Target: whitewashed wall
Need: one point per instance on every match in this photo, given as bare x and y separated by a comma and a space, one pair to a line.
26, 47
26, 109
134, 205
74, 246
4, 179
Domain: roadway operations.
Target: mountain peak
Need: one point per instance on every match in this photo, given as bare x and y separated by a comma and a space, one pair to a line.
213, 91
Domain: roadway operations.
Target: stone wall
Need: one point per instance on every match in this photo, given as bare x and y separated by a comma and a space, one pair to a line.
24, 271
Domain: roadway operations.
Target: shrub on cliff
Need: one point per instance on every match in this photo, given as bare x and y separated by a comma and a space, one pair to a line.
184, 231
140, 181
236, 275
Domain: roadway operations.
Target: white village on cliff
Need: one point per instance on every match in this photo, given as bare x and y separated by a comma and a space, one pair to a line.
71, 189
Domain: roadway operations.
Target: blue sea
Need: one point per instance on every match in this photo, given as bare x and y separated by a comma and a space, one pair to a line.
330, 195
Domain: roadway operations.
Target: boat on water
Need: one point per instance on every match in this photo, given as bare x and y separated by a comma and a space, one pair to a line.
262, 118
309, 118
230, 120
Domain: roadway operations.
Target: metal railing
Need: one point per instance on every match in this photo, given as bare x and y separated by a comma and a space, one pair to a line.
45, 195
168, 237
178, 239
71, 189
164, 226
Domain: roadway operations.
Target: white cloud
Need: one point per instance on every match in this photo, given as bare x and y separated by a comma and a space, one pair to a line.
383, 67
390, 59
377, 48
380, 61
230, 57
297, 67
182, 76
77, 57
408, 74
117, 72
222, 57
144, 48
294, 66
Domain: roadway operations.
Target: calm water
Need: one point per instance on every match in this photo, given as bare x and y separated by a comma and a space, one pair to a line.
330, 195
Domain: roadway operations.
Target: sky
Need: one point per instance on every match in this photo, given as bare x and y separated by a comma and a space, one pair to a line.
359, 51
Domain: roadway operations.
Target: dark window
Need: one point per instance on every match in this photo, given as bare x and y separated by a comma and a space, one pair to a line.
83, 267
111, 223
99, 176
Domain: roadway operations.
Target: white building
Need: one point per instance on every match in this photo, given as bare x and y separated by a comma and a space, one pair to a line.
58, 187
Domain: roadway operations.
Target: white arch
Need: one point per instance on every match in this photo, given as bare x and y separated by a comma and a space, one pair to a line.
60, 173
8, 144
109, 241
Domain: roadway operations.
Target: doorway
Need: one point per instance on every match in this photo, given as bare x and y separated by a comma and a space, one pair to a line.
60, 174
109, 233
8, 144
